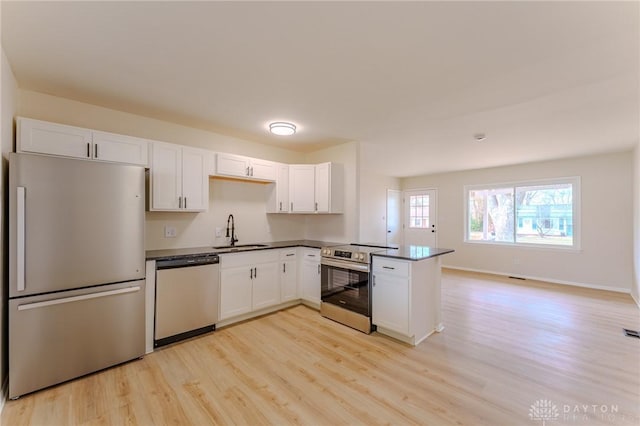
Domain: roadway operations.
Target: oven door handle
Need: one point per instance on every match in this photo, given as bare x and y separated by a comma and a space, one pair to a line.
345, 265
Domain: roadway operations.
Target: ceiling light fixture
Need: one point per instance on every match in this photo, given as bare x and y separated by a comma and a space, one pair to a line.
479, 137
282, 128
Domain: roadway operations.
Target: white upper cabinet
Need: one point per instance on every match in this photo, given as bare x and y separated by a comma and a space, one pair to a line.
195, 179
302, 179
120, 148
316, 188
239, 166
43, 137
179, 178
278, 201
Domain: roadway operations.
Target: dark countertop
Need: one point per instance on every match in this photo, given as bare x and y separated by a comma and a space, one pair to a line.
413, 253
186, 252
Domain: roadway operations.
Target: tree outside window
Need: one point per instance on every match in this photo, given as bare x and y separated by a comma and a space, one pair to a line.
532, 213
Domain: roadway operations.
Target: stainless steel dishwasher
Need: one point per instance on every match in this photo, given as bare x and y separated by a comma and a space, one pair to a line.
187, 289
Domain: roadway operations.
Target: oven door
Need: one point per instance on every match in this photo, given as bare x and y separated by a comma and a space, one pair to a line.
346, 284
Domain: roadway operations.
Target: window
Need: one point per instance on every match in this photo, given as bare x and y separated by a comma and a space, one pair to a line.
542, 213
419, 211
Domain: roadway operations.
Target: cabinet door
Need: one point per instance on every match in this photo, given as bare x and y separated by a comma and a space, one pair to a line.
235, 291
120, 148
310, 276
262, 169
301, 188
54, 139
322, 185
195, 180
266, 285
282, 188
166, 176
289, 280
390, 302
232, 165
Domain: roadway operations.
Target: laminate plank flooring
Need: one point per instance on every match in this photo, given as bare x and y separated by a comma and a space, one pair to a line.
512, 353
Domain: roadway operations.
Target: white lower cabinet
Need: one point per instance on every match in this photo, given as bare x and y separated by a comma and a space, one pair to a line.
266, 286
248, 282
391, 309
406, 298
310, 276
289, 275
236, 288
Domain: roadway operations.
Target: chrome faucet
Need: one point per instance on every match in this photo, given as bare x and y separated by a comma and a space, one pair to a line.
234, 240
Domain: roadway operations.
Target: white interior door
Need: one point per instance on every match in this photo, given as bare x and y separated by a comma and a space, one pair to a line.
394, 217
419, 217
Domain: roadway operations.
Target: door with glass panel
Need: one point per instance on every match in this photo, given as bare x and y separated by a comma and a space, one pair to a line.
420, 221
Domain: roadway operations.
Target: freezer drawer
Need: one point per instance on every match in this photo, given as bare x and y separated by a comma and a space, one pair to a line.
186, 299
57, 337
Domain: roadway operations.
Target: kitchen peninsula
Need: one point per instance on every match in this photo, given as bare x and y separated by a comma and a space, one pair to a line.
406, 292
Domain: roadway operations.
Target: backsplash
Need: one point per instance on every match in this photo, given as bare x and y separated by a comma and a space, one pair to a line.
245, 200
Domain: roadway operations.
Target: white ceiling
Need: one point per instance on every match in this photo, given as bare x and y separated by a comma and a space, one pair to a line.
412, 81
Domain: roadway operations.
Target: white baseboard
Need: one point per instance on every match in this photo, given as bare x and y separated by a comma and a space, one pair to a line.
635, 300
548, 280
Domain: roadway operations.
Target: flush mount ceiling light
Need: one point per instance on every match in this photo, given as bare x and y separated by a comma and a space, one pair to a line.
479, 137
282, 128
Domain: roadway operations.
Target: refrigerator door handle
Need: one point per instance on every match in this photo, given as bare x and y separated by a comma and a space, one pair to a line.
77, 298
20, 239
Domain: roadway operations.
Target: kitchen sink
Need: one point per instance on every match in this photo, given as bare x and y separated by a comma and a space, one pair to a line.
240, 247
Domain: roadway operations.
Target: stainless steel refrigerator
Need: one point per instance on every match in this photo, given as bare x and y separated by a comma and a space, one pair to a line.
76, 274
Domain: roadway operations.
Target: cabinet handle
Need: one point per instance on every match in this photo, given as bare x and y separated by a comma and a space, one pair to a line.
185, 202
292, 207
251, 171
280, 205
318, 269
255, 272
284, 268
388, 267
251, 273
373, 279
247, 172
88, 150
316, 206
95, 150
179, 202
289, 254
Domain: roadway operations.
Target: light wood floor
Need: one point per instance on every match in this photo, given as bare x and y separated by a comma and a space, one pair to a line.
507, 345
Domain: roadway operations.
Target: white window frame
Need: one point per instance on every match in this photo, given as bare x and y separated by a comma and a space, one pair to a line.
577, 219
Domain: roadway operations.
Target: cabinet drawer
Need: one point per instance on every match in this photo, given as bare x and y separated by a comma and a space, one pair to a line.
288, 254
230, 260
384, 265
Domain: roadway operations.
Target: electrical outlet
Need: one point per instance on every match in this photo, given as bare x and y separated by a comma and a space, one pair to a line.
170, 232
218, 232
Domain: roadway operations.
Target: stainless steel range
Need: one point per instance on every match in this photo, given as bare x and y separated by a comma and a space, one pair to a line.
346, 289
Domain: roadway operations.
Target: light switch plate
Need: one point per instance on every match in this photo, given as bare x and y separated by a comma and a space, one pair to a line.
170, 232
218, 232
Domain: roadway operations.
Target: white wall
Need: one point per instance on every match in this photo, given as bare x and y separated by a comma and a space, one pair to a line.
373, 204
8, 96
246, 201
342, 228
635, 288
605, 260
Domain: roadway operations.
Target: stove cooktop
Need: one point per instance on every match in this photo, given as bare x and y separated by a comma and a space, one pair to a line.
354, 252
